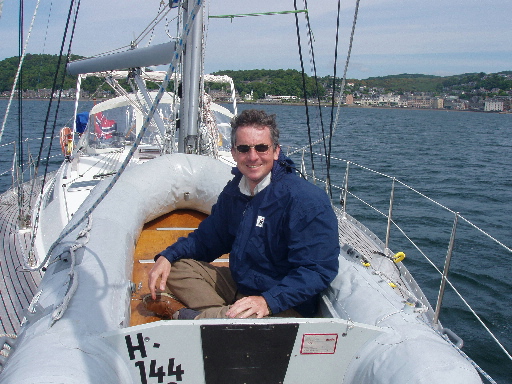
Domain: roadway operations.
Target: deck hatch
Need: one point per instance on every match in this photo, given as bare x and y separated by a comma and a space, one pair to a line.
83, 185
247, 353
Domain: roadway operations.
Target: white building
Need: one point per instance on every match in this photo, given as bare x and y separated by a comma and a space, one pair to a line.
280, 98
494, 106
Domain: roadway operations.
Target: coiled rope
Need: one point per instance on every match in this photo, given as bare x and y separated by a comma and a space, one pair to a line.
6, 347
73, 274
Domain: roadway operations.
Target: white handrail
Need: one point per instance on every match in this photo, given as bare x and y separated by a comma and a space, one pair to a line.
346, 193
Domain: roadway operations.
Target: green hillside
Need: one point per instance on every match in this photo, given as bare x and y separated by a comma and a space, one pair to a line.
283, 82
39, 72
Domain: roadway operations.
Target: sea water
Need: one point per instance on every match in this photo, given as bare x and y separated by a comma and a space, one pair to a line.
461, 160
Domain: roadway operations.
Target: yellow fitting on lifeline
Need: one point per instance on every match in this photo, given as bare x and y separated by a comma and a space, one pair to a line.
398, 257
391, 284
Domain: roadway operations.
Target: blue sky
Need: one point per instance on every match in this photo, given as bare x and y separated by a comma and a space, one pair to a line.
436, 37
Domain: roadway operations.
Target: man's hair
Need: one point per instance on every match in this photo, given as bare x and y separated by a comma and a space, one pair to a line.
258, 119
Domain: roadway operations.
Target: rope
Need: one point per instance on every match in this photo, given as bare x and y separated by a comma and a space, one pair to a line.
313, 64
331, 126
151, 26
344, 79
19, 168
308, 123
208, 132
141, 36
356, 12
47, 27
6, 347
73, 275
172, 68
20, 91
20, 64
54, 87
256, 14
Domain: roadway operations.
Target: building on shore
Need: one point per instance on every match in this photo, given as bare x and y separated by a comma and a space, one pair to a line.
497, 105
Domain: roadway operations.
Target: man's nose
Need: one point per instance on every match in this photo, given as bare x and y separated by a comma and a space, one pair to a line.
253, 154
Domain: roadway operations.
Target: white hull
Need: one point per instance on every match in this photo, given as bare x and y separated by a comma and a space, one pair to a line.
366, 324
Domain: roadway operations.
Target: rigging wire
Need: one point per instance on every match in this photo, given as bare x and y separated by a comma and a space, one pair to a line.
47, 26
356, 12
331, 127
344, 78
16, 78
327, 150
55, 86
44, 41
136, 41
256, 14
308, 121
151, 26
71, 226
20, 113
313, 64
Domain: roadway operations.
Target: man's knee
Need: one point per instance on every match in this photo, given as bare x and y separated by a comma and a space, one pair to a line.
187, 268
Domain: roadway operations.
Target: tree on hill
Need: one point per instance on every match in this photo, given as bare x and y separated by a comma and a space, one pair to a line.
495, 81
404, 83
282, 82
39, 72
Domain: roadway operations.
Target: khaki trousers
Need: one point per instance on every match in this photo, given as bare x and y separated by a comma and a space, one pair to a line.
207, 288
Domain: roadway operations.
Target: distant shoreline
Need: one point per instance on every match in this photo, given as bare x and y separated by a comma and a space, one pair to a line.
380, 107
312, 105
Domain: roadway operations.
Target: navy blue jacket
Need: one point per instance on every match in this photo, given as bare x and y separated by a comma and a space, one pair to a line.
283, 242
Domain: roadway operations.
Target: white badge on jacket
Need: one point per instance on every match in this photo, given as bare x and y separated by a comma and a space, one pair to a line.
259, 221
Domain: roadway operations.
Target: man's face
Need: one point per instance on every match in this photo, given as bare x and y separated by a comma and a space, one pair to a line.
253, 164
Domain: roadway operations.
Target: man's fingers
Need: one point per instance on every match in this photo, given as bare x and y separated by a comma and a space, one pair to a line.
161, 271
248, 306
162, 283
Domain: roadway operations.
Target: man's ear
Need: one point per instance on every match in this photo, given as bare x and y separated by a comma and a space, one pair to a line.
276, 152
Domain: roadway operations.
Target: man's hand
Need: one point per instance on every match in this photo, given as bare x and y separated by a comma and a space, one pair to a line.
161, 270
247, 306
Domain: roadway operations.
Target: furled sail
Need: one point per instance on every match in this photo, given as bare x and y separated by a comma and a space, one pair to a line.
135, 58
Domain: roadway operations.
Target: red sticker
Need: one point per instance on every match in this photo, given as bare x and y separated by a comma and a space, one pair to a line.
319, 343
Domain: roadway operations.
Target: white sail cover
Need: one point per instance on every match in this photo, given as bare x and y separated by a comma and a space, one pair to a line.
135, 58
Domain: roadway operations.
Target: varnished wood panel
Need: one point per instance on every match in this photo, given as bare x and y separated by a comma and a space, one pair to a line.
151, 241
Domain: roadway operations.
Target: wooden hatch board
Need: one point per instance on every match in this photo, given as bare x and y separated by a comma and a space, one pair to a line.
155, 237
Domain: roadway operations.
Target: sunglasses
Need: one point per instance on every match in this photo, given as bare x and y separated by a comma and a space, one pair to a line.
261, 148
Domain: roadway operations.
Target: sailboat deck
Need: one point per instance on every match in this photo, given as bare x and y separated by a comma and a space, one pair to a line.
356, 235
17, 287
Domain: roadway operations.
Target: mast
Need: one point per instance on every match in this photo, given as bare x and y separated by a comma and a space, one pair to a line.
192, 68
